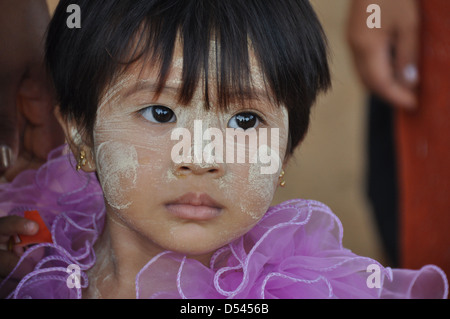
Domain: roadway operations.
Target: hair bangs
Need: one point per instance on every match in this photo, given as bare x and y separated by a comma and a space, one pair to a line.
215, 41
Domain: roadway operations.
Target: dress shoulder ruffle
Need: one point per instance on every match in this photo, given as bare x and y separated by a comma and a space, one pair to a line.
295, 251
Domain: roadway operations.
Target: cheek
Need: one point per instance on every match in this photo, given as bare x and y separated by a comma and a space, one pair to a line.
250, 187
117, 165
126, 167
249, 191
259, 192
153, 173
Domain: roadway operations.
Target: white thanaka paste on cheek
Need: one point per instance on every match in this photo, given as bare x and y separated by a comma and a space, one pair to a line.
117, 169
262, 186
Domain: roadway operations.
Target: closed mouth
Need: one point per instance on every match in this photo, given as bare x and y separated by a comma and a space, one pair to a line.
194, 206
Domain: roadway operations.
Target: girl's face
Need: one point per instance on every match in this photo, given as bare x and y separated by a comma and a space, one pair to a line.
188, 207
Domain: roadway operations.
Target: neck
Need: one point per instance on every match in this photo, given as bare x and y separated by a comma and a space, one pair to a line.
120, 253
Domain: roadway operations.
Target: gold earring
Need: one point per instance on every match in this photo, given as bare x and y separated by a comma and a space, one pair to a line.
81, 160
282, 183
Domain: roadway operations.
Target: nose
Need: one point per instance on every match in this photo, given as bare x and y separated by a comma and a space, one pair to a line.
199, 156
214, 170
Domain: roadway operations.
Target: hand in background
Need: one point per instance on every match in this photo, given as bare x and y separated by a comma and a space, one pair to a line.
11, 226
386, 58
28, 128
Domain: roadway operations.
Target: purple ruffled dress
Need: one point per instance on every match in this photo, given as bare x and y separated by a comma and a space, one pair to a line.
295, 251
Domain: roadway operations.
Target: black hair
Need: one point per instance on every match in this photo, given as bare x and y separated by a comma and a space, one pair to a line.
285, 36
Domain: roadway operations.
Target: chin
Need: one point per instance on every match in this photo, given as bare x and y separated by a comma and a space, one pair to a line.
197, 241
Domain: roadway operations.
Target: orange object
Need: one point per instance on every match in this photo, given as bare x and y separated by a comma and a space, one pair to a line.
42, 236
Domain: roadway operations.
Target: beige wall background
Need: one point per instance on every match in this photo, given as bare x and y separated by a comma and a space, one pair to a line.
330, 164
52, 5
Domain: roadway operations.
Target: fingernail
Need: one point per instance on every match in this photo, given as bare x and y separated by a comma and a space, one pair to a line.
5, 157
30, 227
410, 73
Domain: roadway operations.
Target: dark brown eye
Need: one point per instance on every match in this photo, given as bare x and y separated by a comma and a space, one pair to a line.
158, 114
244, 121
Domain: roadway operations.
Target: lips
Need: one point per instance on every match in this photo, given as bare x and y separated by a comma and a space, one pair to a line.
194, 206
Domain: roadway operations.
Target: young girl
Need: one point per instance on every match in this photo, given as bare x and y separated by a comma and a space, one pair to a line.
134, 215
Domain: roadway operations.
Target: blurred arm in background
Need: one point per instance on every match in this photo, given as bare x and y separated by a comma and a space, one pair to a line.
28, 128
386, 58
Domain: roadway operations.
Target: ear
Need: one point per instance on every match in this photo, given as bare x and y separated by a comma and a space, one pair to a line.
286, 161
77, 141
